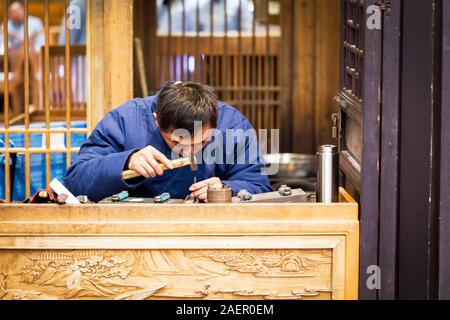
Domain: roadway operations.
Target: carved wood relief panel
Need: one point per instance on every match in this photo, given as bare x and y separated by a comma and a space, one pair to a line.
169, 274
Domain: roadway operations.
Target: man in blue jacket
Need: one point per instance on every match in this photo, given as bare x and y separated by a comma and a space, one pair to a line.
144, 133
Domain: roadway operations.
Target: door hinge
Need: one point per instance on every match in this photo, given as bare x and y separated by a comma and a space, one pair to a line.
336, 128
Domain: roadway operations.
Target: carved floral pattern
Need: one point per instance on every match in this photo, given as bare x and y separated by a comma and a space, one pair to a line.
96, 276
143, 274
268, 264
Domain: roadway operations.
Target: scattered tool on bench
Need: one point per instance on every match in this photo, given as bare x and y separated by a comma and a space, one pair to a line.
191, 199
60, 189
285, 191
244, 195
179, 163
120, 196
84, 199
163, 198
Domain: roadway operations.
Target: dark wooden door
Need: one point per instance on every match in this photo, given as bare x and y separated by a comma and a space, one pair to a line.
444, 230
359, 138
394, 115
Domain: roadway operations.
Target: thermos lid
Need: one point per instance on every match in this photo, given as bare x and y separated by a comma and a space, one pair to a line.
328, 149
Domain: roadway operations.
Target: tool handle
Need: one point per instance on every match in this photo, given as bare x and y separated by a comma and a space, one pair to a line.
179, 163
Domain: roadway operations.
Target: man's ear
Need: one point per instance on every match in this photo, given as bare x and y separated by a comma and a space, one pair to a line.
155, 117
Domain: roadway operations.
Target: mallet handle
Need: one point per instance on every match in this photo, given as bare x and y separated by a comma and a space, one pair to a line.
179, 163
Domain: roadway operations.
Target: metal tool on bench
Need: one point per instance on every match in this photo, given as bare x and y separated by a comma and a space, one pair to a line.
120, 196
163, 198
285, 191
84, 199
190, 199
178, 163
285, 195
244, 195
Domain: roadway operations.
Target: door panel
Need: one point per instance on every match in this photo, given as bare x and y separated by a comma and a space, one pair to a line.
391, 138
353, 143
351, 91
359, 139
388, 246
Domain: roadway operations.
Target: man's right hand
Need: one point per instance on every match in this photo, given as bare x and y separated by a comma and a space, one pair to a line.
147, 162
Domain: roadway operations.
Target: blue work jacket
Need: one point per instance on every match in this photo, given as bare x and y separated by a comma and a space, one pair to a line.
97, 171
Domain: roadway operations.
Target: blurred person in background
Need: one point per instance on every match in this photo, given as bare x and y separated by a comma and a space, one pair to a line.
16, 18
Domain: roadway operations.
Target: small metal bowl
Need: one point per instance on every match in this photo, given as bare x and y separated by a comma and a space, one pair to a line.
292, 165
294, 170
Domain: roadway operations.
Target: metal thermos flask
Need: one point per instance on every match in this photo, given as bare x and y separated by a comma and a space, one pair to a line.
327, 188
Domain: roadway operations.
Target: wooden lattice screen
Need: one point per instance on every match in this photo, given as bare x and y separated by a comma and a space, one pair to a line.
39, 86
241, 65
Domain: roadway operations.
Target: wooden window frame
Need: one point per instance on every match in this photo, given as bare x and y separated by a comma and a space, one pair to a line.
109, 80
109, 56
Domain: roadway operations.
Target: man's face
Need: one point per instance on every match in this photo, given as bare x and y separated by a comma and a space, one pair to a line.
189, 143
16, 13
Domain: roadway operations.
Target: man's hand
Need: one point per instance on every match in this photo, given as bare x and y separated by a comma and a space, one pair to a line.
147, 162
200, 188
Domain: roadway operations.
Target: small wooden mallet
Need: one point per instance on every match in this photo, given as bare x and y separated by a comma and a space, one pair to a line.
179, 163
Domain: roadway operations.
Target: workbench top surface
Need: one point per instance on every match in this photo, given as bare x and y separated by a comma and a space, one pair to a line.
184, 212
204, 251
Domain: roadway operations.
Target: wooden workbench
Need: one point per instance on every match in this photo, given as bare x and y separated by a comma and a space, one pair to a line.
236, 251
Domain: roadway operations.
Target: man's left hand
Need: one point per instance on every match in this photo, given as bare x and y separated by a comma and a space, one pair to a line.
200, 188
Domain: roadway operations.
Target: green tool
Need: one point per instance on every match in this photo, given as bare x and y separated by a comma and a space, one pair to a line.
120, 196
163, 198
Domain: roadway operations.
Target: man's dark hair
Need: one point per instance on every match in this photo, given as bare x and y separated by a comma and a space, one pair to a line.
179, 105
